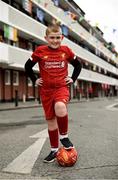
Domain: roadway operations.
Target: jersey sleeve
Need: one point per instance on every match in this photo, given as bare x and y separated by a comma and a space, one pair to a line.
35, 55
70, 54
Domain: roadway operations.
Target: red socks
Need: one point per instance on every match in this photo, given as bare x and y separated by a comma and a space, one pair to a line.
63, 124
54, 134
54, 138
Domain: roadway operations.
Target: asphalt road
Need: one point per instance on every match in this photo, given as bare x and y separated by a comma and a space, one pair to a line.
93, 128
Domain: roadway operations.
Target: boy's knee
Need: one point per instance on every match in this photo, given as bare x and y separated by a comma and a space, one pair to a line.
60, 109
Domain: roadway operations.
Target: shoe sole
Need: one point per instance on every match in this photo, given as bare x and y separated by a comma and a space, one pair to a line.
49, 161
68, 147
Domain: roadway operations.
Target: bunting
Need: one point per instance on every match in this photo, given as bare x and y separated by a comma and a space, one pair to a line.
96, 24
73, 16
45, 4
40, 15
114, 30
65, 30
66, 13
81, 18
56, 2
10, 33
55, 21
27, 5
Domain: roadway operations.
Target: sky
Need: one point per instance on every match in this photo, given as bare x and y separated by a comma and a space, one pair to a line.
105, 14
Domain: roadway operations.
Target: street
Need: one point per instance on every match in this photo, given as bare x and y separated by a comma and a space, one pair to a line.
93, 128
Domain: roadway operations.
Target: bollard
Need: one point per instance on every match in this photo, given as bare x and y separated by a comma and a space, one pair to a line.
16, 98
24, 98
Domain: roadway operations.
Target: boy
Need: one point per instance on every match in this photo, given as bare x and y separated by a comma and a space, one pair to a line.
53, 60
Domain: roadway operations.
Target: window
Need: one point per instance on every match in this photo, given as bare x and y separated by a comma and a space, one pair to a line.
15, 78
7, 77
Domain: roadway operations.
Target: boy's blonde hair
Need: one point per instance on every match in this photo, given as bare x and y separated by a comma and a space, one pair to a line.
53, 28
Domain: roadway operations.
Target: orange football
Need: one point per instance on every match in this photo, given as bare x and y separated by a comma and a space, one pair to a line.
66, 157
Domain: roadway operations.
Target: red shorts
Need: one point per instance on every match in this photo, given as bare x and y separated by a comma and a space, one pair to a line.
50, 96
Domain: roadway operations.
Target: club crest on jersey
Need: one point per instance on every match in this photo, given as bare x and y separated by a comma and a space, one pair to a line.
45, 57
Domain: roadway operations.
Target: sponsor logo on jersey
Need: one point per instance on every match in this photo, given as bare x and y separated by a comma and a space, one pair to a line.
54, 64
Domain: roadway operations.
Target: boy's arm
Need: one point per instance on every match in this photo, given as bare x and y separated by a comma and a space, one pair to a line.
29, 70
77, 68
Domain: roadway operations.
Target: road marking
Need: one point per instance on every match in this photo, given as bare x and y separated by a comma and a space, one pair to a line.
25, 161
112, 107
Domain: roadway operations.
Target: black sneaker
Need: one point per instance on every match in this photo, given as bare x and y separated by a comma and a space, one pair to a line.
51, 157
66, 143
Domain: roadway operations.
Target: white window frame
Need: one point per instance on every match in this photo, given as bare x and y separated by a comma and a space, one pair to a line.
8, 79
17, 78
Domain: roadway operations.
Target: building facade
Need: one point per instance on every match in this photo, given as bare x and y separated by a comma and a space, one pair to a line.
22, 29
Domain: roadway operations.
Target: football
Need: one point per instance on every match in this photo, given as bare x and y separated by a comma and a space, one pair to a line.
66, 158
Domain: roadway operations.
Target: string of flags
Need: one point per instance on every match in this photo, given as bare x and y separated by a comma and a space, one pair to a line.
40, 15
113, 30
27, 5
81, 18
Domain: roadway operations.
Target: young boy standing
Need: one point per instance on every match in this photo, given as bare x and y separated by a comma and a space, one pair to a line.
53, 60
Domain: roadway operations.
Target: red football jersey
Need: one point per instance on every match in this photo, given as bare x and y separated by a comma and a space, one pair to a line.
53, 64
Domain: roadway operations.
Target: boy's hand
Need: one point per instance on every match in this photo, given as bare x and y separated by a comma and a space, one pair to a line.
68, 80
39, 82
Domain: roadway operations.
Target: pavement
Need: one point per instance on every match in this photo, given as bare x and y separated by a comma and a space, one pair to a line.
7, 106
8, 110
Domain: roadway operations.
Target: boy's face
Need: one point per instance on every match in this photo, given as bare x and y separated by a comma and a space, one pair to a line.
54, 40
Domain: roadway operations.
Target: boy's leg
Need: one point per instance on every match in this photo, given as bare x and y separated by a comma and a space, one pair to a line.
62, 117
54, 140
53, 134
62, 121
48, 106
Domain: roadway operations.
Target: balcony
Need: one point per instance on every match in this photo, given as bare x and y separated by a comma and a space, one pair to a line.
36, 30
14, 57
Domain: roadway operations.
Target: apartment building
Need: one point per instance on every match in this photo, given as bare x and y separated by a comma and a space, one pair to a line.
22, 29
